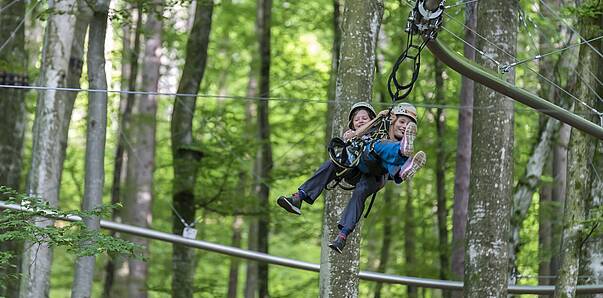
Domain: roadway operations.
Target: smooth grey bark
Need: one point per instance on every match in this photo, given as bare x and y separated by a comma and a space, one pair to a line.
442, 209
486, 256
95, 142
12, 125
580, 157
185, 155
49, 140
361, 22
463, 155
264, 155
140, 134
335, 52
524, 191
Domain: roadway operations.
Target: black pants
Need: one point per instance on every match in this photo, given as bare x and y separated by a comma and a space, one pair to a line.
366, 185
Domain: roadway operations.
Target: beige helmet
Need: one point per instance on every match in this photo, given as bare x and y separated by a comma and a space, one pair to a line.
361, 105
406, 109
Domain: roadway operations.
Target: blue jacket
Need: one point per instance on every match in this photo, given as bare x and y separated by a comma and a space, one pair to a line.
385, 159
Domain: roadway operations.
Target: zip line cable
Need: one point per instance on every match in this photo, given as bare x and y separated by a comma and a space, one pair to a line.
12, 34
459, 3
575, 56
277, 99
595, 111
7, 6
569, 26
507, 67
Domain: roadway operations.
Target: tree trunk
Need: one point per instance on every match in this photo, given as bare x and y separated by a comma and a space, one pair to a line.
580, 156
95, 142
410, 238
389, 219
264, 157
126, 103
49, 139
362, 19
233, 271
186, 157
492, 162
337, 5
463, 154
12, 125
524, 191
140, 135
442, 210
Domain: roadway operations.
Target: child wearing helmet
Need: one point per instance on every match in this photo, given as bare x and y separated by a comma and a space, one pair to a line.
385, 159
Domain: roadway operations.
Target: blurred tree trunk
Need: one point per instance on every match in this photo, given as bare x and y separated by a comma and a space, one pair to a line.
95, 142
361, 22
233, 271
12, 125
442, 210
410, 238
491, 160
389, 219
580, 157
140, 135
524, 191
53, 113
336, 50
544, 227
185, 154
129, 71
251, 270
463, 155
264, 157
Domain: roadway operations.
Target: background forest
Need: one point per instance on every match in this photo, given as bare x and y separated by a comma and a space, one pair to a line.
215, 108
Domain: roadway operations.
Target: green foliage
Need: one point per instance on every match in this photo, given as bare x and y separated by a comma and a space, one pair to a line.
32, 225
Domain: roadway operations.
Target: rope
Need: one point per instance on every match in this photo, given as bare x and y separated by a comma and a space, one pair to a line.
12, 34
459, 4
7, 6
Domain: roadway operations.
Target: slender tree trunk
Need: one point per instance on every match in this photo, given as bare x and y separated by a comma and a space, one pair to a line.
389, 220
186, 157
544, 228
12, 125
337, 5
52, 117
463, 154
486, 259
362, 19
233, 271
442, 210
524, 191
580, 156
410, 238
125, 109
140, 135
264, 157
95, 142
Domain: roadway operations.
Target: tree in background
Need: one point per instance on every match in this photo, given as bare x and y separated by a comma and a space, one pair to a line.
580, 157
361, 22
486, 250
95, 142
13, 71
186, 156
53, 113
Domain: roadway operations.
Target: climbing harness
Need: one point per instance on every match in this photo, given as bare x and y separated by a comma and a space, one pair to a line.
423, 23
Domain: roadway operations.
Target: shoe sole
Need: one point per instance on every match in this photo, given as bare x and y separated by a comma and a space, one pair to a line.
284, 203
417, 162
407, 147
335, 248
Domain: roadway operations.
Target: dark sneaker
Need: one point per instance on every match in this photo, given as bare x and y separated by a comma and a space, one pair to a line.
338, 244
412, 165
291, 204
407, 142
